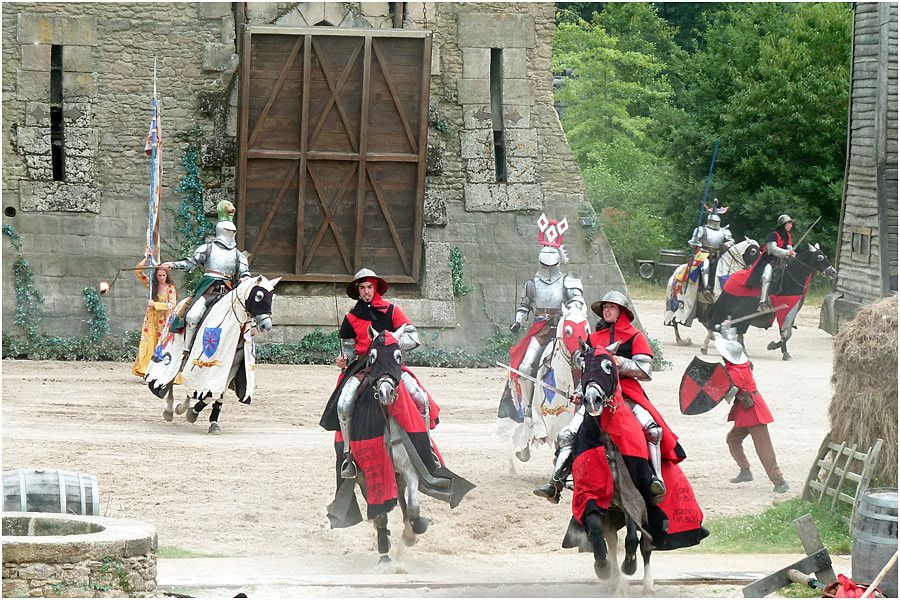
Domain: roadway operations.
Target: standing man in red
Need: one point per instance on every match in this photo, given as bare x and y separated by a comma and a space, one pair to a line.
750, 414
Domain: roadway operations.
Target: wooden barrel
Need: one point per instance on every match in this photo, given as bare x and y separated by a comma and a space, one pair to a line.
875, 538
669, 260
50, 490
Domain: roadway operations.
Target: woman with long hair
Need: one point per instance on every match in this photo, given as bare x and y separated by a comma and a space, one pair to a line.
159, 308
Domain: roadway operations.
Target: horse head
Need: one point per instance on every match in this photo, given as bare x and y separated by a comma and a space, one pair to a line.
814, 258
751, 252
259, 299
574, 327
385, 365
599, 378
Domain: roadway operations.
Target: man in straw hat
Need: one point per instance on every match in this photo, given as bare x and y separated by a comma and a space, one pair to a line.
750, 414
371, 310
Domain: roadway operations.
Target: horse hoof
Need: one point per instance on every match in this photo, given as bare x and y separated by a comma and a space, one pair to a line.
648, 592
785, 356
420, 525
168, 415
409, 539
703, 351
214, 428
773, 346
684, 342
181, 408
601, 568
191, 416
629, 565
384, 559
524, 454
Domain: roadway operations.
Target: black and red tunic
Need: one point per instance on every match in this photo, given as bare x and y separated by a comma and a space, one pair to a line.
782, 239
379, 313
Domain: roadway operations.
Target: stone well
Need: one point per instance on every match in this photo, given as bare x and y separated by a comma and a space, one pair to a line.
56, 555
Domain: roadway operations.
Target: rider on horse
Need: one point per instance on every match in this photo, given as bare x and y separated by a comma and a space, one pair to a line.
373, 311
778, 248
634, 359
713, 239
224, 266
544, 296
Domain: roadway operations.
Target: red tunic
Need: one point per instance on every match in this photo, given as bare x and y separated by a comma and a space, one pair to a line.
379, 313
758, 414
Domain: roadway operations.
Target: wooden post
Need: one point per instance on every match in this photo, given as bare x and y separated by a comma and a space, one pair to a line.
812, 543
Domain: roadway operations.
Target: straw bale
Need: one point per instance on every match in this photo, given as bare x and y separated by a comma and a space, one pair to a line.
864, 405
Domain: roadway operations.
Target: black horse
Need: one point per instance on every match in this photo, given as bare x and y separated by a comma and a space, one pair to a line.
593, 452
787, 296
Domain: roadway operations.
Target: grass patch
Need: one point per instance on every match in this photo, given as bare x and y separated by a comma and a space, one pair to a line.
773, 531
176, 552
795, 590
642, 289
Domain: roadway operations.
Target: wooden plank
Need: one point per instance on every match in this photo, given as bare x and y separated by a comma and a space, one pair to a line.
363, 149
242, 136
335, 90
334, 31
385, 72
868, 471
814, 471
304, 144
830, 472
843, 474
274, 209
777, 580
423, 148
276, 90
398, 243
812, 543
329, 220
340, 277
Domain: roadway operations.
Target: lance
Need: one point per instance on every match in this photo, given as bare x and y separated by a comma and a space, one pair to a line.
758, 313
337, 315
803, 237
534, 380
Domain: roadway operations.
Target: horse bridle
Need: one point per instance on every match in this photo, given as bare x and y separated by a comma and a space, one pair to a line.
607, 402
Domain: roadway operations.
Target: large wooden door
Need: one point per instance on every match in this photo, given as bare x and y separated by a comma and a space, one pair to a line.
333, 135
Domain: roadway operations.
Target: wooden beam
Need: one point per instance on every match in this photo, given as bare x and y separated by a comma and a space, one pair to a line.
301, 183
812, 543
243, 123
363, 150
275, 90
274, 209
398, 243
418, 229
843, 476
777, 580
395, 97
329, 220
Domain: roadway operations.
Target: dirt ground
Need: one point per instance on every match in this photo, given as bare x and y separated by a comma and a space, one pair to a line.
261, 488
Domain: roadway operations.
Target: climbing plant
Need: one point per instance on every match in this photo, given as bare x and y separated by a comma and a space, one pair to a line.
191, 224
29, 300
99, 321
457, 262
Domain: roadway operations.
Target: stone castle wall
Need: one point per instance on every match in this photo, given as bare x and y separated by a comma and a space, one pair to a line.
492, 224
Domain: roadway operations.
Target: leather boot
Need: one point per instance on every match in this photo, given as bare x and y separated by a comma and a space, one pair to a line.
742, 477
551, 491
348, 467
657, 490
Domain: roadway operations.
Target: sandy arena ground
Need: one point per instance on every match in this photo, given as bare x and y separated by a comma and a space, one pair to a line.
261, 488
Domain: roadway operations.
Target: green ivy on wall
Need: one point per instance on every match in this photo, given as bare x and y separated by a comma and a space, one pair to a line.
29, 300
99, 321
191, 224
457, 262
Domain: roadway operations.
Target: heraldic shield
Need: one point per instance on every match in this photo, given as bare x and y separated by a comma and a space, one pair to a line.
703, 386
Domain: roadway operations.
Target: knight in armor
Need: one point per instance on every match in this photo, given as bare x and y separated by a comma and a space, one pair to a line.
224, 266
371, 311
713, 239
750, 414
778, 249
634, 359
544, 296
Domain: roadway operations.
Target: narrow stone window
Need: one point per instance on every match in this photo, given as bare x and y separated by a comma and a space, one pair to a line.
57, 140
497, 113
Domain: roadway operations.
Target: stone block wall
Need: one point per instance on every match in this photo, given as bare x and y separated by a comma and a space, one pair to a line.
83, 229
75, 235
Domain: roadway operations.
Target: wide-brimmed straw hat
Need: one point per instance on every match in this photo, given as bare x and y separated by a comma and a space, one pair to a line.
381, 285
613, 297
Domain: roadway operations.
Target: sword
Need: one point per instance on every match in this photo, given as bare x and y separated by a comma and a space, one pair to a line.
534, 380
803, 237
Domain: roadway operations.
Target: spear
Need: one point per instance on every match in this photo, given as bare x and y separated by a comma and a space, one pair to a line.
534, 380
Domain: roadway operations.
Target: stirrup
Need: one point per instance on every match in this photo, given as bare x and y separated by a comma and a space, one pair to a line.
551, 491
348, 468
657, 490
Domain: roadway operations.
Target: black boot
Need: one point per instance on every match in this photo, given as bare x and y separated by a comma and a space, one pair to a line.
551, 491
742, 477
348, 468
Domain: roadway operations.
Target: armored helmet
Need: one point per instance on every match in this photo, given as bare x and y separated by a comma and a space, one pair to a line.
729, 347
363, 274
613, 297
225, 231
713, 221
548, 256
784, 219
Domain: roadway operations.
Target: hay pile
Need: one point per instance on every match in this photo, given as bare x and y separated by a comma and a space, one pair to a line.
864, 406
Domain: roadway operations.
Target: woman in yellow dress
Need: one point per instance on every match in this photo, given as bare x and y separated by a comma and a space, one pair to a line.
158, 312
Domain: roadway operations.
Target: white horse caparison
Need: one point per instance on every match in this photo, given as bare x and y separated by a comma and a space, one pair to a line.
221, 351
684, 302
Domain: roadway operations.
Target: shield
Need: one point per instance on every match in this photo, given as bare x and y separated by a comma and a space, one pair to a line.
703, 386
211, 337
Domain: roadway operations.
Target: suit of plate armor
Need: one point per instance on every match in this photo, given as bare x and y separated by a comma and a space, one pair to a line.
221, 261
713, 239
778, 254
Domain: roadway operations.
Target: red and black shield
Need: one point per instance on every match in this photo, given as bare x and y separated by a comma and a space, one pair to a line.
703, 386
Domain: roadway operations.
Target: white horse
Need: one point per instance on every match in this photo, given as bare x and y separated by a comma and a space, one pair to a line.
551, 410
222, 354
684, 302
